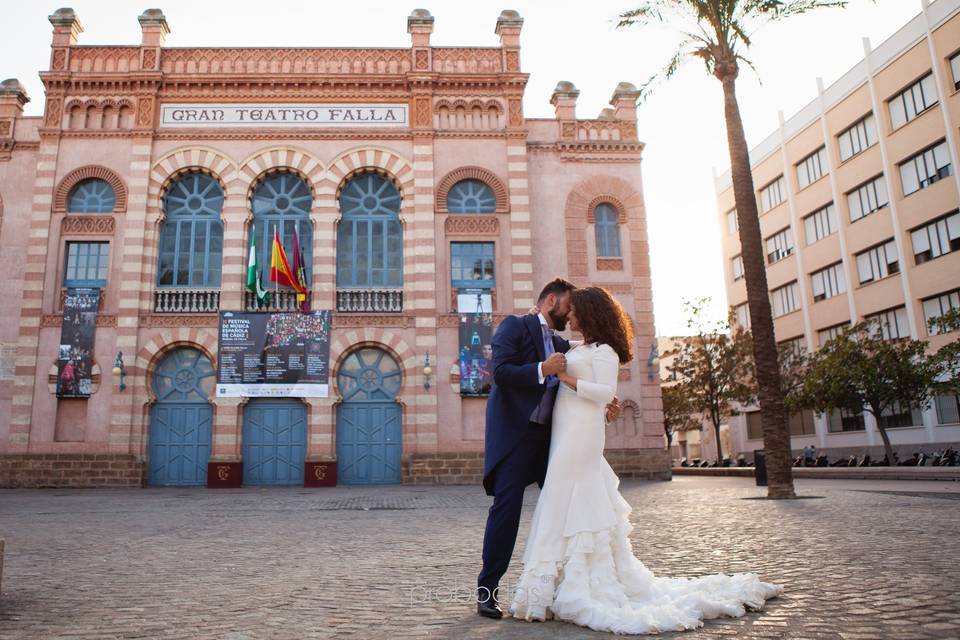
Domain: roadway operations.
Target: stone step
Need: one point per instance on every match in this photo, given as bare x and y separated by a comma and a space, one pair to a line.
849, 473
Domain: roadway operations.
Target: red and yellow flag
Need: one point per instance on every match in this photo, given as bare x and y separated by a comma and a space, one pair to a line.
280, 271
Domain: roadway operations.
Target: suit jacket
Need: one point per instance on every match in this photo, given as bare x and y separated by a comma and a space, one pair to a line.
516, 392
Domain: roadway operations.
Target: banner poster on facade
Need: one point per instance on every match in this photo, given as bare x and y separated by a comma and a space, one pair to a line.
274, 355
476, 332
75, 360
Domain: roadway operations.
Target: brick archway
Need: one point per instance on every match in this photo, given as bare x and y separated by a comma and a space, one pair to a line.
476, 173
80, 174
266, 161
350, 340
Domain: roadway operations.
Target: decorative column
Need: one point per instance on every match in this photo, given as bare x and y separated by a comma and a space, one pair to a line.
523, 295
421, 429
564, 101
13, 96
127, 420
66, 28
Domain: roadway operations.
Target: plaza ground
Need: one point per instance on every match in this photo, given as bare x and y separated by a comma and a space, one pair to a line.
867, 559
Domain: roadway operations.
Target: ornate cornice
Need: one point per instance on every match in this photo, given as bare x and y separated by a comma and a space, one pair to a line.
468, 224
56, 320
157, 320
78, 224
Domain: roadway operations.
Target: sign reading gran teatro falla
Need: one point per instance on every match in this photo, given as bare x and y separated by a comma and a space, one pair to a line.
300, 116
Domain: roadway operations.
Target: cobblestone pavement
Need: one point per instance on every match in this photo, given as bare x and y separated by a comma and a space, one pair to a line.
867, 560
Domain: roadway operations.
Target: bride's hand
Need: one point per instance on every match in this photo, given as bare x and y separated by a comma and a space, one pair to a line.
534, 310
568, 380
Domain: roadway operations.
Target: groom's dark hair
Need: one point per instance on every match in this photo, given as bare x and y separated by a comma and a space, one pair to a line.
558, 287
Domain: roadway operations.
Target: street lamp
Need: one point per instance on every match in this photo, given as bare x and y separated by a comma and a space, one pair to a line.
119, 370
427, 371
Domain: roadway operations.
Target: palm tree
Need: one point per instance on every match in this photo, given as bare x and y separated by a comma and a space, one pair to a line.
716, 33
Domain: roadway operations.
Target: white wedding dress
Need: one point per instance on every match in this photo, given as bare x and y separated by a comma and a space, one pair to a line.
578, 564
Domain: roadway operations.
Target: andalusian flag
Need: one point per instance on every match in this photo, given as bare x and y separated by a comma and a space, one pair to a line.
254, 285
280, 271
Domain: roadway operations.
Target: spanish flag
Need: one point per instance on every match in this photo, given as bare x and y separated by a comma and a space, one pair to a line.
280, 271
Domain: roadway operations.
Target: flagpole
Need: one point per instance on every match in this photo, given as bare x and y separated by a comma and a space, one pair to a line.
276, 281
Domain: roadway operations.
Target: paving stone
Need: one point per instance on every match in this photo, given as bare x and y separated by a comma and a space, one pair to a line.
401, 562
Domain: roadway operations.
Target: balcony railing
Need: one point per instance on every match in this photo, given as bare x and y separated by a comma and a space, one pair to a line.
186, 300
280, 300
370, 300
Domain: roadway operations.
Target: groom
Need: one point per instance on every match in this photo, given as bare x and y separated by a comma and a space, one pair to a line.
527, 356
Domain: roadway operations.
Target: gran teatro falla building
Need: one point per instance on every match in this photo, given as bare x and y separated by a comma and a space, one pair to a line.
411, 175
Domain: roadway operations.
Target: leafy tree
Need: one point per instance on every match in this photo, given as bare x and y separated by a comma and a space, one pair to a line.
948, 354
860, 371
678, 413
713, 368
717, 32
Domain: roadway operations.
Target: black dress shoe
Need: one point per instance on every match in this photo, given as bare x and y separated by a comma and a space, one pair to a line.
489, 608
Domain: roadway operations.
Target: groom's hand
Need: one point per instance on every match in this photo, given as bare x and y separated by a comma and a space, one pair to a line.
614, 409
553, 365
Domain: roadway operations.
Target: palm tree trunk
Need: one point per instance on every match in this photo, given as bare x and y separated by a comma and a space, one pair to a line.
776, 435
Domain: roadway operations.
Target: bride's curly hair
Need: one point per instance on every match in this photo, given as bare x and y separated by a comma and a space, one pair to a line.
603, 320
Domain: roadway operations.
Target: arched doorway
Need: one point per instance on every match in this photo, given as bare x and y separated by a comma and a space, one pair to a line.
368, 419
274, 441
181, 420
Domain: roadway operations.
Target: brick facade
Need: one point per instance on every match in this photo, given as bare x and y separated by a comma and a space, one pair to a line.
103, 118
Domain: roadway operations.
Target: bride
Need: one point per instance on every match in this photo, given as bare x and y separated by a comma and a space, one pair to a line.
578, 564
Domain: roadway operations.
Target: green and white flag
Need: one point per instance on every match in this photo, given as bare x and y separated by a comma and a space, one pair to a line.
254, 285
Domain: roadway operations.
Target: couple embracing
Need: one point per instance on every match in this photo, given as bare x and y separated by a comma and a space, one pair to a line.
545, 423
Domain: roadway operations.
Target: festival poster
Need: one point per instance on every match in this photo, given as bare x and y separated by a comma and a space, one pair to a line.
75, 360
274, 355
476, 333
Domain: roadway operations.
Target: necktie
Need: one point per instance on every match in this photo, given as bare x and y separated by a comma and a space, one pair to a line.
548, 350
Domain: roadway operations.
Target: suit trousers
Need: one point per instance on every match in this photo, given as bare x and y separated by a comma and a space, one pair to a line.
521, 467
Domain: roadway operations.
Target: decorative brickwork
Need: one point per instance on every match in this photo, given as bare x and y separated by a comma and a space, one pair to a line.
71, 470
475, 173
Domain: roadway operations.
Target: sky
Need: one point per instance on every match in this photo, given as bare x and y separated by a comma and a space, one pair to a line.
681, 123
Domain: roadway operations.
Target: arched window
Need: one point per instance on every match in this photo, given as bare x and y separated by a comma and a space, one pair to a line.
91, 196
369, 237
282, 201
471, 196
191, 238
607, 227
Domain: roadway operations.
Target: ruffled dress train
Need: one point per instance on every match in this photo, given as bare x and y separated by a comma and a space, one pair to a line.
578, 564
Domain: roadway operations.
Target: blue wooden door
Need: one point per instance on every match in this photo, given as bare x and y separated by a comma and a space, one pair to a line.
368, 421
274, 442
181, 420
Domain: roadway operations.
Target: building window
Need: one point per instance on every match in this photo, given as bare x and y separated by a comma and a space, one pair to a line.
736, 264
87, 264
796, 346
369, 237
936, 238
867, 198
472, 265
779, 245
862, 135
891, 324
878, 262
821, 223
785, 299
955, 68
606, 224
191, 238
471, 196
733, 225
925, 168
772, 195
826, 335
912, 101
812, 168
801, 424
282, 201
91, 196
843, 420
828, 282
940, 305
948, 409
899, 416
754, 426
741, 315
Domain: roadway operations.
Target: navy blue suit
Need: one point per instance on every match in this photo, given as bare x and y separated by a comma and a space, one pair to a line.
516, 449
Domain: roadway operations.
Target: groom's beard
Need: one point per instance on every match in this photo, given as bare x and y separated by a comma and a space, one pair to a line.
558, 319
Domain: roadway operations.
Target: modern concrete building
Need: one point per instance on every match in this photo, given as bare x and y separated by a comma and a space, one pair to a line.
411, 173
858, 198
